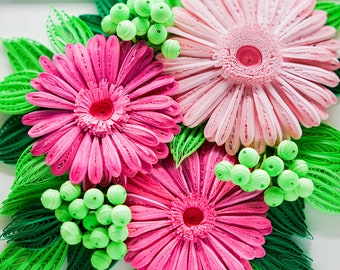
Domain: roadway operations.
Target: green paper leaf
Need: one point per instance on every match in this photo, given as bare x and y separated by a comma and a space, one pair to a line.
282, 253
18, 258
63, 29
332, 10
94, 23
13, 139
289, 218
13, 90
32, 178
186, 143
24, 54
33, 227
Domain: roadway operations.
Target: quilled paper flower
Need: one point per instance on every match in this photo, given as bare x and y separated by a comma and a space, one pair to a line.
105, 110
187, 219
255, 70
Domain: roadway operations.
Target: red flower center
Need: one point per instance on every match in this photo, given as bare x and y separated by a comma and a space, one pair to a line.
102, 110
192, 216
249, 56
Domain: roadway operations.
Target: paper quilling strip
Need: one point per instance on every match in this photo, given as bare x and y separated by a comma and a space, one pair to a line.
172, 135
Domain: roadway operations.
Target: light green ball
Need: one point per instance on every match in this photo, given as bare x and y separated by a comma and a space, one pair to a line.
99, 238
90, 222
121, 215
160, 12
131, 6
288, 180
305, 187
157, 34
287, 150
87, 240
291, 195
222, 170
119, 12
260, 179
239, 174
116, 194
51, 199
116, 250
300, 167
142, 25
69, 192
118, 233
126, 30
100, 260
248, 157
103, 214
70, 233
273, 165
93, 198
78, 209
108, 26
143, 7
171, 49
273, 196
62, 213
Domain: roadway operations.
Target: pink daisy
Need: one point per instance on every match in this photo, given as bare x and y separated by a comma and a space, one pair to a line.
255, 69
107, 113
187, 219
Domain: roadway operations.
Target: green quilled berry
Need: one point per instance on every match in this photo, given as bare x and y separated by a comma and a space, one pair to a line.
248, 157
239, 174
287, 150
222, 170
273, 196
119, 12
273, 165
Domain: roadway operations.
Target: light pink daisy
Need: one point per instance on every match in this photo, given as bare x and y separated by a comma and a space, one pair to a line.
255, 69
187, 219
106, 110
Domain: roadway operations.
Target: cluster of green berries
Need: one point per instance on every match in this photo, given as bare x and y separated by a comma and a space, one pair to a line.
149, 21
281, 175
97, 220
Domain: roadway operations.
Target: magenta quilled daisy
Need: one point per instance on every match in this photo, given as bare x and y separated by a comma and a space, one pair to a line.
106, 111
187, 219
255, 69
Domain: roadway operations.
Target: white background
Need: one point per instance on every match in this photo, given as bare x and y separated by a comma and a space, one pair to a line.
28, 19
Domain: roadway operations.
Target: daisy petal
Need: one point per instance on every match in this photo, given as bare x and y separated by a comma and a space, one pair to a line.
112, 51
111, 158
47, 100
95, 163
98, 56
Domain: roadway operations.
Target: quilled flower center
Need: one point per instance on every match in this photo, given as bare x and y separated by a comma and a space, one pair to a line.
249, 56
192, 217
102, 110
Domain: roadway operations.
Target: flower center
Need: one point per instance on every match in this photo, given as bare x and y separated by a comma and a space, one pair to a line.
249, 56
192, 216
103, 109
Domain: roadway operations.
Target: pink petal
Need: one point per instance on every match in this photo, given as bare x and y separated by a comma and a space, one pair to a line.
44, 144
50, 101
151, 103
307, 52
64, 163
236, 11
221, 13
48, 66
84, 64
57, 86
51, 124
266, 11
191, 170
141, 213
95, 47
202, 108
34, 118
209, 258
257, 207
81, 161
111, 158
151, 71
191, 48
95, 163
153, 119
137, 228
125, 47
256, 222
69, 71
112, 51
247, 122
62, 145
145, 153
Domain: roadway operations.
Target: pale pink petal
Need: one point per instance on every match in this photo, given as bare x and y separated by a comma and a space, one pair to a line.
247, 121
236, 11
307, 52
191, 48
221, 13
267, 11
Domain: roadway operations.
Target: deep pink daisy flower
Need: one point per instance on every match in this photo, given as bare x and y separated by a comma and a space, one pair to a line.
255, 69
106, 110
187, 219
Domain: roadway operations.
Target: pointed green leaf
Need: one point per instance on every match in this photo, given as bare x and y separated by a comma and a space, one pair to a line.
18, 258
333, 10
13, 139
24, 54
289, 218
186, 142
63, 29
33, 227
32, 178
13, 90
282, 253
